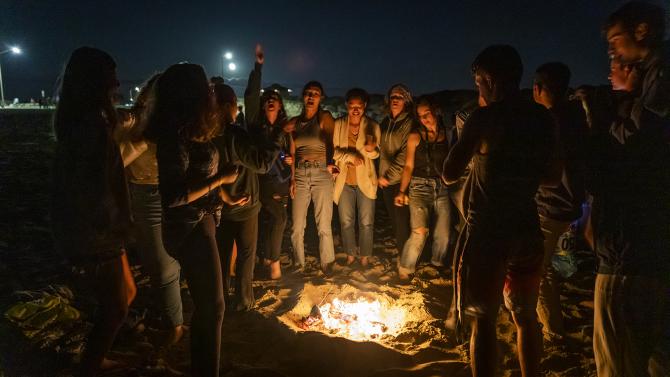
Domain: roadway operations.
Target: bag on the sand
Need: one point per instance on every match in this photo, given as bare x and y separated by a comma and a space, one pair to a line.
564, 260
47, 317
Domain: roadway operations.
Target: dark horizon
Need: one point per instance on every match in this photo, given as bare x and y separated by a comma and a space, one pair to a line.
371, 44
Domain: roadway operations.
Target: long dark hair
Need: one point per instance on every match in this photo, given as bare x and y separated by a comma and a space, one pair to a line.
183, 105
86, 84
430, 102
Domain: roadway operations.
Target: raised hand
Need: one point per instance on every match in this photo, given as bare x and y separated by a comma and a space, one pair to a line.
260, 55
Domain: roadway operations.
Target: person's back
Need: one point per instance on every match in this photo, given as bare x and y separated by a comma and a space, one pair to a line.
508, 166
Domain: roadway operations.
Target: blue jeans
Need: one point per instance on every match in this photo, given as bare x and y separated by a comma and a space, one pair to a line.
313, 183
427, 196
163, 270
353, 199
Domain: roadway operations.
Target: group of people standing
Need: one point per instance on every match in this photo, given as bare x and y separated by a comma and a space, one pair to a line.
510, 177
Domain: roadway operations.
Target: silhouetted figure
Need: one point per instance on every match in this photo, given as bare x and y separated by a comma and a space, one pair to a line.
560, 205
631, 202
90, 207
182, 124
512, 147
139, 158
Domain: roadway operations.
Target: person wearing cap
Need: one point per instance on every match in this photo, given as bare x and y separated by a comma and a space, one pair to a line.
396, 126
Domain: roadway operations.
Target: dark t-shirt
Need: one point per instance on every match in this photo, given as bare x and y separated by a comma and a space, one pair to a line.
564, 202
501, 187
429, 158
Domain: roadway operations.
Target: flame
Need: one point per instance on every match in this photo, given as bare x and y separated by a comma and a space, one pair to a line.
362, 320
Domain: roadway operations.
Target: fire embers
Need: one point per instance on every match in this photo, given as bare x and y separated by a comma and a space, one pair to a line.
357, 320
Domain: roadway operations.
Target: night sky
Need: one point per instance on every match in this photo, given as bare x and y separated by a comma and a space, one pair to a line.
428, 45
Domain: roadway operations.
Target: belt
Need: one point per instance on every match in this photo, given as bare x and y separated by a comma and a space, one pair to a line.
311, 164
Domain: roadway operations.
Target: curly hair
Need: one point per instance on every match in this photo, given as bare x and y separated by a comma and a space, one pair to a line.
183, 105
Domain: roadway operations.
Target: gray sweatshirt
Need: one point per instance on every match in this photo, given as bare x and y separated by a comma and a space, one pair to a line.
393, 146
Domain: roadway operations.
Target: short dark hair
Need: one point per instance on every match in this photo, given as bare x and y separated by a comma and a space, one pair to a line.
634, 13
554, 77
502, 62
356, 93
313, 84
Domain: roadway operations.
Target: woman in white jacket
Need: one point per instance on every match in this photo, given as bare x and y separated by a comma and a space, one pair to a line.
356, 142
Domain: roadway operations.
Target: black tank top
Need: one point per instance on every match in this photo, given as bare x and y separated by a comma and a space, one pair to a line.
429, 157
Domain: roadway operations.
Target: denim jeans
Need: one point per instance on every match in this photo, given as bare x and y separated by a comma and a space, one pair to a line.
163, 270
313, 183
351, 201
427, 196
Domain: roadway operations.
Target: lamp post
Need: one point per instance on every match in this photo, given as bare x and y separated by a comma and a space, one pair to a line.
16, 51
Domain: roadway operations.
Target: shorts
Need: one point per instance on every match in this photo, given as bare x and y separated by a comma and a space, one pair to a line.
495, 267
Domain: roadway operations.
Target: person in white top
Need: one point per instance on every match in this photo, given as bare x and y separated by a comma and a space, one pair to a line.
356, 143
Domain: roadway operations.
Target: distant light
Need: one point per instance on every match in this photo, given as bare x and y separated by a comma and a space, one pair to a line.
228, 55
262, 90
232, 66
15, 50
290, 91
137, 88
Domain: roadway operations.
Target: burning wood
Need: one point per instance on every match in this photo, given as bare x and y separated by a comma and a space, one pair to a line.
358, 320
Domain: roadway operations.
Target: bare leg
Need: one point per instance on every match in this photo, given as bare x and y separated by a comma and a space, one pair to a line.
113, 292
529, 343
483, 347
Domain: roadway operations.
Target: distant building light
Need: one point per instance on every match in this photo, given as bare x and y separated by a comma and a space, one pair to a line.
262, 90
137, 88
290, 91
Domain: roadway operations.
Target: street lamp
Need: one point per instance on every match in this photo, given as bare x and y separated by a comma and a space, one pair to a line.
16, 51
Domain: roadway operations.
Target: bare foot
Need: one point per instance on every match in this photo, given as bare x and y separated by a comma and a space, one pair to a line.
275, 270
109, 364
350, 260
175, 334
403, 277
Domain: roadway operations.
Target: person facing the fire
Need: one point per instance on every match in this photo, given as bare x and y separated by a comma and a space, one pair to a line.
356, 142
428, 198
561, 205
312, 176
631, 201
512, 146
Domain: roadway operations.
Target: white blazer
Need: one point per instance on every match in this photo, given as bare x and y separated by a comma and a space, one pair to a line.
366, 174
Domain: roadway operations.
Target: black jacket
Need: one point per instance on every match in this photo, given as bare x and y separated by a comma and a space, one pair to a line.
252, 157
